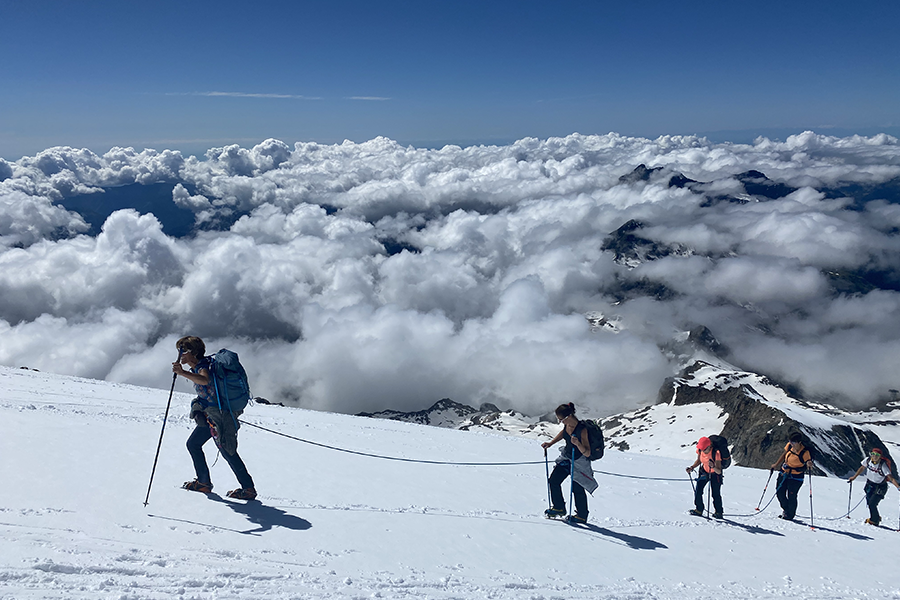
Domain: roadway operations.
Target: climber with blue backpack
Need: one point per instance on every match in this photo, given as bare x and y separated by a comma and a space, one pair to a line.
222, 394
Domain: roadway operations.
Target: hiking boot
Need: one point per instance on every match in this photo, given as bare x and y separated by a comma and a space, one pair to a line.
785, 517
695, 512
873, 522
718, 515
576, 520
553, 513
197, 486
243, 494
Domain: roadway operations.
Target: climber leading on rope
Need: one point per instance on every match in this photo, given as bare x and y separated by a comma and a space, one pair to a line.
212, 421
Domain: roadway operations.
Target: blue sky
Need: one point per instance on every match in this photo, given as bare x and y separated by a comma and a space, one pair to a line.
192, 75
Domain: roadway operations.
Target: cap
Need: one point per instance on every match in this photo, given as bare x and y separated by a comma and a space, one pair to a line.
703, 443
875, 451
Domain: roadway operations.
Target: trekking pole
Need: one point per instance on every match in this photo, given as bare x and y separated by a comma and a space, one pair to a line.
572, 478
849, 496
709, 497
162, 431
771, 472
809, 473
547, 469
898, 522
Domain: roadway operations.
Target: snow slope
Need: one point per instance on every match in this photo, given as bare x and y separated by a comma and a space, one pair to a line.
77, 455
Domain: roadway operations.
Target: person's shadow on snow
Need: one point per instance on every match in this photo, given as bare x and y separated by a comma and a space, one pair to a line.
632, 541
752, 528
266, 517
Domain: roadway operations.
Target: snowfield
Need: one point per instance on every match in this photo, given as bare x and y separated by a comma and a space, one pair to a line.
77, 455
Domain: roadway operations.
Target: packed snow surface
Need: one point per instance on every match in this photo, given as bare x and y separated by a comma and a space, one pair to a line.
77, 456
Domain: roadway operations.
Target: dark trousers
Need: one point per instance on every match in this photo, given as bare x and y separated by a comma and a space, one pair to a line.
788, 487
200, 436
559, 474
874, 494
715, 481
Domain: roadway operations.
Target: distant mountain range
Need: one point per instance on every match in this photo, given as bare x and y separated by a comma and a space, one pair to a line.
754, 414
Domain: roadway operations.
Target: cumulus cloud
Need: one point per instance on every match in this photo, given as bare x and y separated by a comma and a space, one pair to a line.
183, 199
84, 347
27, 219
368, 276
5, 170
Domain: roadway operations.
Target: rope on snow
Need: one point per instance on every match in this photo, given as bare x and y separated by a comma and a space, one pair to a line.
509, 464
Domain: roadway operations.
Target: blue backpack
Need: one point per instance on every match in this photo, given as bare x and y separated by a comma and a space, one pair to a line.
229, 381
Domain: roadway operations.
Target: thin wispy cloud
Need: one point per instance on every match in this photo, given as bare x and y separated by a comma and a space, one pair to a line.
246, 95
370, 98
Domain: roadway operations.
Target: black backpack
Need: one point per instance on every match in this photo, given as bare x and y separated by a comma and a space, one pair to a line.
595, 439
721, 444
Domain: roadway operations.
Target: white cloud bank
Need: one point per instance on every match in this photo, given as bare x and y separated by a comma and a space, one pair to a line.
370, 276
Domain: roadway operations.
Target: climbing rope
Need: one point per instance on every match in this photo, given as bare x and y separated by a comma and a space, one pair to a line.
381, 456
508, 464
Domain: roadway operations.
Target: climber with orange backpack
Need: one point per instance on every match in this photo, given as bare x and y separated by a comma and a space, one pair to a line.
794, 463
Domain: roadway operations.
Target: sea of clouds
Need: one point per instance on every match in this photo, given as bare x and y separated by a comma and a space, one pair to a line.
358, 277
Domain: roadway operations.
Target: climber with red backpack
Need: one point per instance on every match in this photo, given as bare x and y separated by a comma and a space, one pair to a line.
710, 460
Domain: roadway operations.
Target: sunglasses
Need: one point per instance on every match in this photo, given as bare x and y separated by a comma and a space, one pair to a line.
874, 453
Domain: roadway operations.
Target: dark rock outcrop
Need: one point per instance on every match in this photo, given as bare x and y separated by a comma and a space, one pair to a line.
757, 431
757, 184
640, 173
631, 248
680, 181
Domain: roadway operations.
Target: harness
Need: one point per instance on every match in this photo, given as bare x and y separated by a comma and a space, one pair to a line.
710, 465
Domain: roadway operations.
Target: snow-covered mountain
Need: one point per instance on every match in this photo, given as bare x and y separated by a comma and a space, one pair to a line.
756, 415
77, 455
453, 415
